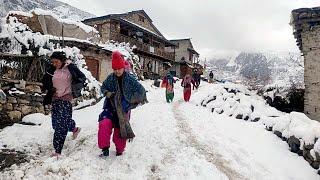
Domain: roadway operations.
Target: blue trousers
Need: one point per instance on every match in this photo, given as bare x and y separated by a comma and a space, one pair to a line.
62, 122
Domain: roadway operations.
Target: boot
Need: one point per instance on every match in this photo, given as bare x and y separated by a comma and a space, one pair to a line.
105, 152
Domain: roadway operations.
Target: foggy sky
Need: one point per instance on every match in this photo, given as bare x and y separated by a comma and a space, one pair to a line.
217, 27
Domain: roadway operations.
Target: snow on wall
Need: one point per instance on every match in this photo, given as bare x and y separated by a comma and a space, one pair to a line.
86, 28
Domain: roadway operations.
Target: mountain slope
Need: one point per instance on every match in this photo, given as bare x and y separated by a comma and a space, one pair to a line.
61, 9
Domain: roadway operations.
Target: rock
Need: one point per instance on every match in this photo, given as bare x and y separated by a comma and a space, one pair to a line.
269, 128
36, 104
15, 116
39, 109
238, 100
294, 144
278, 133
212, 110
246, 118
317, 156
37, 98
23, 101
12, 100
8, 106
21, 85
210, 101
3, 96
309, 156
239, 116
256, 119
252, 108
26, 109
33, 88
308, 147
315, 164
25, 97
319, 171
234, 91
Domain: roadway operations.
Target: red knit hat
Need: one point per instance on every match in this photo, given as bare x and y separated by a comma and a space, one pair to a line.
117, 60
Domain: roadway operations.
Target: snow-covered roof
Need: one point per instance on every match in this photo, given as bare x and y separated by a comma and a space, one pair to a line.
86, 28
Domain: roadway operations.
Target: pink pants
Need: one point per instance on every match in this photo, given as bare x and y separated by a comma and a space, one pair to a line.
104, 135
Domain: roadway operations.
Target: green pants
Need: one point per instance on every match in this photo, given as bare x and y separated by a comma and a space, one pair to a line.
169, 97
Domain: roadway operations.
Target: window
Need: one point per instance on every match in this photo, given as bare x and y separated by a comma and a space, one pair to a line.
141, 18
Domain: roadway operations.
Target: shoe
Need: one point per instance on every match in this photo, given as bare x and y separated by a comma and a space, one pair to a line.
75, 132
105, 152
119, 153
54, 154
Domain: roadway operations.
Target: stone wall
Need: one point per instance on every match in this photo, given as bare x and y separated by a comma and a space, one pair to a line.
181, 51
19, 101
311, 50
23, 98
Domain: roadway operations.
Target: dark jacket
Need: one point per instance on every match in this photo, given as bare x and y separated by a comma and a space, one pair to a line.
211, 75
133, 94
78, 82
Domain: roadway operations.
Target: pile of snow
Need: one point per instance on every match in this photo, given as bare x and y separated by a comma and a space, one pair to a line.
37, 11
86, 28
234, 100
36, 118
22, 36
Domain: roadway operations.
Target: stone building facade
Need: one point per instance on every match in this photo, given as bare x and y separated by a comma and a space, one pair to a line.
306, 27
136, 28
185, 57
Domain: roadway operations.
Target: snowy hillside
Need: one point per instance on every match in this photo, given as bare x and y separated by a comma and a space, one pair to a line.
280, 69
173, 141
61, 9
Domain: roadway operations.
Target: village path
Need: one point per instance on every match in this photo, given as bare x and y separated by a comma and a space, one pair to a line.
180, 140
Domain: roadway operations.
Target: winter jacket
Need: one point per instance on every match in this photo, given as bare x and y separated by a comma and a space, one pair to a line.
133, 91
168, 82
121, 96
78, 82
211, 75
187, 81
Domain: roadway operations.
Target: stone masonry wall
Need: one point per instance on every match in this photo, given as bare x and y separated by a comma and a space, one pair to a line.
23, 99
311, 49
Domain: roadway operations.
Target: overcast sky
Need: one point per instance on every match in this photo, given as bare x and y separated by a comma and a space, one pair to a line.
217, 27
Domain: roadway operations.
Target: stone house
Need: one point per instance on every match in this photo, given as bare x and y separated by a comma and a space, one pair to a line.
136, 28
306, 30
185, 57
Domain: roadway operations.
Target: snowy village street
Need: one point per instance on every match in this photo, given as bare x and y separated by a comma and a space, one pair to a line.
173, 141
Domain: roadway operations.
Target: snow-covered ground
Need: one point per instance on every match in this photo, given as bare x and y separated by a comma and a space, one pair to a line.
173, 141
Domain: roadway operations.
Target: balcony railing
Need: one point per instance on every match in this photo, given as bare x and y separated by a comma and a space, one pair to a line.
142, 46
